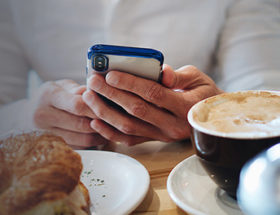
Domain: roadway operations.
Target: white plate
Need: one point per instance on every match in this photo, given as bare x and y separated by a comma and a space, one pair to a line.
117, 183
192, 190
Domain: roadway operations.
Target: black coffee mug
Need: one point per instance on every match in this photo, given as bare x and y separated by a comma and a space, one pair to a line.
223, 155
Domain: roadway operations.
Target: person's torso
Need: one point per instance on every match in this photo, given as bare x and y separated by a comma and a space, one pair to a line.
55, 34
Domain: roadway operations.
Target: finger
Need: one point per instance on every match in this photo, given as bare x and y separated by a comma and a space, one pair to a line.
78, 90
51, 117
74, 104
114, 135
121, 121
137, 107
71, 86
186, 77
195, 84
149, 91
78, 139
68, 84
168, 76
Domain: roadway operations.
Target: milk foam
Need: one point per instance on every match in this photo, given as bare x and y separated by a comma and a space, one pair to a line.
255, 114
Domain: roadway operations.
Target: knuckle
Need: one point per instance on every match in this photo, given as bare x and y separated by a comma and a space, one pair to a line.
38, 118
79, 105
78, 90
177, 133
88, 139
48, 88
168, 140
82, 124
48, 92
128, 141
111, 137
154, 92
127, 128
192, 68
99, 112
112, 94
115, 78
139, 109
49, 84
130, 85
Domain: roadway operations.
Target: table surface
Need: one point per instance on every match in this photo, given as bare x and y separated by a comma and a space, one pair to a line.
159, 158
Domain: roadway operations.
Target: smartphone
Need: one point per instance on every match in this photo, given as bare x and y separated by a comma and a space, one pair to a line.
143, 62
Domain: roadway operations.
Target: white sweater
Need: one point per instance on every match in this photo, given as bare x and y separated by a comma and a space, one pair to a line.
236, 42
240, 39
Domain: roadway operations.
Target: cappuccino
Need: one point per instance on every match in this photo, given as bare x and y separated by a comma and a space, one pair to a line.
251, 113
230, 129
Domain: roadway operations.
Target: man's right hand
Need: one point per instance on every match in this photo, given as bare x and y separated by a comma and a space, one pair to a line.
58, 107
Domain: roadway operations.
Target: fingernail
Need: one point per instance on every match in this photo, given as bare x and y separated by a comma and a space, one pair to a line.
112, 79
95, 83
87, 95
94, 125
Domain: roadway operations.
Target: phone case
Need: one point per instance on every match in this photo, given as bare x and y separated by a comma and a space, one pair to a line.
143, 62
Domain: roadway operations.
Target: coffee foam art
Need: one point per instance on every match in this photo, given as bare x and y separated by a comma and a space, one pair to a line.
248, 114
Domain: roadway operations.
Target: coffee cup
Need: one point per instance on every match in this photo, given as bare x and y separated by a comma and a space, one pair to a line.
231, 128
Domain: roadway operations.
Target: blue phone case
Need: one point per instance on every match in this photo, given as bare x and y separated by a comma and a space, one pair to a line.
143, 62
125, 51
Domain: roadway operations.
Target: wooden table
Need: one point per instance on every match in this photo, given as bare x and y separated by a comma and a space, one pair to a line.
159, 158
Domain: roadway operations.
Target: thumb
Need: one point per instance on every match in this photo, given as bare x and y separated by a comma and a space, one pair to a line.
168, 76
182, 78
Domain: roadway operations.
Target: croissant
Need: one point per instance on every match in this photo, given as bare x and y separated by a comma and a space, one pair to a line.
40, 174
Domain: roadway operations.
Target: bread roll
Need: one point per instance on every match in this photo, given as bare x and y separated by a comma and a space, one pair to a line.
40, 174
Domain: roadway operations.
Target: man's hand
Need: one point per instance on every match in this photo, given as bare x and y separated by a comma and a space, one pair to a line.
153, 111
58, 106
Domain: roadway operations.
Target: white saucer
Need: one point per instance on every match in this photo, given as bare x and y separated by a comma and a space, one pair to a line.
117, 183
193, 191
